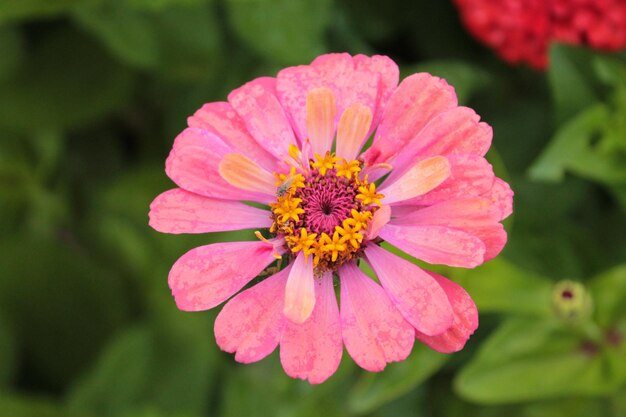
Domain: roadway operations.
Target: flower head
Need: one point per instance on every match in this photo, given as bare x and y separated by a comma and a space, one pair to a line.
521, 30
293, 143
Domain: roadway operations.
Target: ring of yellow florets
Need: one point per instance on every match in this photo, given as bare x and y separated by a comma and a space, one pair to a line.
356, 196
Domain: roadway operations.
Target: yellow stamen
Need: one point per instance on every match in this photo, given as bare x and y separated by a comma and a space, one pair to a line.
368, 195
288, 208
348, 169
303, 243
350, 234
325, 163
332, 245
359, 219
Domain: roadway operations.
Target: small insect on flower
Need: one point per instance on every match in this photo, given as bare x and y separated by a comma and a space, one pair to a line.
293, 145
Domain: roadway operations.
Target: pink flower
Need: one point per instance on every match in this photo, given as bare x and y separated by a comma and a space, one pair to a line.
272, 143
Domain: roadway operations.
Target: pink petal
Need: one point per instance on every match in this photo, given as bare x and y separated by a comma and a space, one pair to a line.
337, 72
456, 131
381, 218
465, 319
502, 196
221, 119
476, 216
421, 178
352, 131
436, 244
243, 173
208, 275
389, 75
420, 299
292, 86
179, 211
193, 165
460, 213
312, 350
263, 115
251, 323
470, 176
320, 119
418, 99
300, 291
374, 330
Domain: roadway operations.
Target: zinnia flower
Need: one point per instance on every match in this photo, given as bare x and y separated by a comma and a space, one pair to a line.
521, 30
292, 143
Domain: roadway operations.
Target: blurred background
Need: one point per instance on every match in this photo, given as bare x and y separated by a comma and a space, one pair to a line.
92, 94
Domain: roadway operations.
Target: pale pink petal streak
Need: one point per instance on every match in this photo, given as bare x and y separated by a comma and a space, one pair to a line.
312, 350
208, 275
416, 294
251, 323
374, 330
352, 131
257, 104
436, 244
243, 173
465, 319
470, 176
421, 178
193, 165
320, 119
221, 119
179, 211
300, 290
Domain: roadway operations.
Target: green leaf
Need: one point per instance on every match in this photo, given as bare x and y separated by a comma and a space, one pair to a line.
465, 77
24, 406
499, 286
189, 43
374, 390
127, 33
165, 367
7, 352
28, 9
67, 81
609, 292
286, 31
533, 360
569, 74
10, 51
570, 150
61, 303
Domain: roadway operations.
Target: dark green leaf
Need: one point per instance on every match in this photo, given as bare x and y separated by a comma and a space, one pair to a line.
23, 406
286, 31
569, 74
127, 33
373, 390
8, 352
166, 367
67, 81
63, 305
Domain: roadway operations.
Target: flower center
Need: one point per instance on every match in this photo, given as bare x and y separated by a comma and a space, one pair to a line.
323, 208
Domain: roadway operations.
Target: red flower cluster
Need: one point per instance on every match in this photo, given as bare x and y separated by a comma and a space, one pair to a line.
521, 30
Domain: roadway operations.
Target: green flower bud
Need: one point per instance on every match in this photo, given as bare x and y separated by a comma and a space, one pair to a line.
571, 301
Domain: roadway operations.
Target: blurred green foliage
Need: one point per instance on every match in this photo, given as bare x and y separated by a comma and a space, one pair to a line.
92, 93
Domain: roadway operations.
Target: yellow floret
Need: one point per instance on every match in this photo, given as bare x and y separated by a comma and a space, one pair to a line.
325, 163
368, 195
